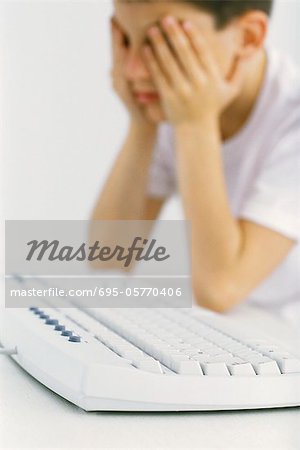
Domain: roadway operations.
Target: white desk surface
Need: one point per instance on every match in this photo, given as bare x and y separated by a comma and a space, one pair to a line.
32, 416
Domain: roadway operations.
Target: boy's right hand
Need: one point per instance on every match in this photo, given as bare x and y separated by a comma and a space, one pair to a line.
119, 82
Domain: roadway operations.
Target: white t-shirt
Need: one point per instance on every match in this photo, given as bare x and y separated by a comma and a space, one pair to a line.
262, 170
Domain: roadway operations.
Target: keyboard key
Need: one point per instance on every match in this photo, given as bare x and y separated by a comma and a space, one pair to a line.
148, 364
59, 328
288, 364
131, 353
182, 346
215, 369
201, 358
187, 367
189, 351
51, 322
266, 368
75, 339
241, 369
66, 333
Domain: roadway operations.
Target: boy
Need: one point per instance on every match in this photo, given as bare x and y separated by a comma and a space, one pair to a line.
216, 115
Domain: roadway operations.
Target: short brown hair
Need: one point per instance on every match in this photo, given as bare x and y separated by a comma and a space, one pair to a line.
223, 10
226, 10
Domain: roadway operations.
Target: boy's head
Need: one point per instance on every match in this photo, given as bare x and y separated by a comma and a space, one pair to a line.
233, 29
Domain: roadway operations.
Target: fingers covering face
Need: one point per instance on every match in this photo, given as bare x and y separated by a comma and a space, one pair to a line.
181, 51
155, 69
165, 57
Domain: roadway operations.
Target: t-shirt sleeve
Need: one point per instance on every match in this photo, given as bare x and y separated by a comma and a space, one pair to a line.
273, 199
161, 181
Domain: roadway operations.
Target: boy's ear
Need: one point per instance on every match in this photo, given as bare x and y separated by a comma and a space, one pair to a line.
253, 27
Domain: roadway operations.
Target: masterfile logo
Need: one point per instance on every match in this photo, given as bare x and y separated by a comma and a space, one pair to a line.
54, 251
102, 263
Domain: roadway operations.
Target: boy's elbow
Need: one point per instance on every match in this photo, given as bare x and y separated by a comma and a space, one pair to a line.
218, 295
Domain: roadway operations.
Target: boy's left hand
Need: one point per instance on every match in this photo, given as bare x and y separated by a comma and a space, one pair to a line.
186, 75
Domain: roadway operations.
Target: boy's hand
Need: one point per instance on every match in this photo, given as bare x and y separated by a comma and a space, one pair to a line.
120, 84
186, 74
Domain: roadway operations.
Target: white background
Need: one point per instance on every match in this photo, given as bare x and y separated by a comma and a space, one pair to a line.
62, 125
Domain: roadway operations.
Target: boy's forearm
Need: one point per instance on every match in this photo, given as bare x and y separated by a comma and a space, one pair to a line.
124, 193
216, 235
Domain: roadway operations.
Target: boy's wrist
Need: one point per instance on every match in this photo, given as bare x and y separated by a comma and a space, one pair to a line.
142, 137
208, 125
145, 127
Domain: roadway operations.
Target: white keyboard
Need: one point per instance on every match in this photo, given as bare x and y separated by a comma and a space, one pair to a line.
151, 359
